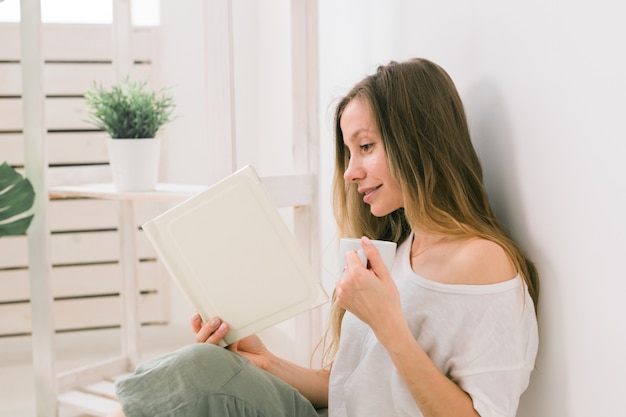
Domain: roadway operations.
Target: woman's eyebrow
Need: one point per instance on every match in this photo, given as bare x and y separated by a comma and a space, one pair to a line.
358, 132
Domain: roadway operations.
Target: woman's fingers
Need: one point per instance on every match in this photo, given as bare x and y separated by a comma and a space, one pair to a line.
196, 322
211, 332
218, 334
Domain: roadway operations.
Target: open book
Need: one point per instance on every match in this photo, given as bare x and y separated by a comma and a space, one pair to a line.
234, 257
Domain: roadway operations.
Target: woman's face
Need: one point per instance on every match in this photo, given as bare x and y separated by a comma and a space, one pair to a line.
368, 167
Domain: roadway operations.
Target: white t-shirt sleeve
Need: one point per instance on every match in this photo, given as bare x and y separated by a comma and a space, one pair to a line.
496, 394
496, 366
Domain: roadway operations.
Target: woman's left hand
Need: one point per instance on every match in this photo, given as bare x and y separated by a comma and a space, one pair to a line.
370, 294
253, 348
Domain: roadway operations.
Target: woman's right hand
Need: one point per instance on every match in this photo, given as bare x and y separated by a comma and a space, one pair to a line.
210, 332
215, 329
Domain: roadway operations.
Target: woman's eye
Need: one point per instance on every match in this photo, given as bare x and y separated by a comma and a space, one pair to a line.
367, 147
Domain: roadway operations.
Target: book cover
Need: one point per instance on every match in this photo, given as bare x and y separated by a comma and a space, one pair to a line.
233, 256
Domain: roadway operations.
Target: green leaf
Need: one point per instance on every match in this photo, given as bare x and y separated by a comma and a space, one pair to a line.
8, 176
16, 227
16, 198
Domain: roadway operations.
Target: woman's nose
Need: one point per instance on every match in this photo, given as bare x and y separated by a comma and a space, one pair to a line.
353, 172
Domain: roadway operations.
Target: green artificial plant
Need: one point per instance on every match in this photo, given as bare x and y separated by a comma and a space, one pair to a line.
16, 198
128, 110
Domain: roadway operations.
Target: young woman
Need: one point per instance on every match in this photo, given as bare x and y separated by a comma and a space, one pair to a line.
449, 330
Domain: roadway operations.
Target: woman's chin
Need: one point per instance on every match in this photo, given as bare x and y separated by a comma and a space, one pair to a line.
381, 210
377, 212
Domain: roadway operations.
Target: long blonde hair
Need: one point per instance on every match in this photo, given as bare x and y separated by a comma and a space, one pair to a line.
429, 152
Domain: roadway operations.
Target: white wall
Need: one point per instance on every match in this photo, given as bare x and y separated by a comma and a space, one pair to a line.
544, 85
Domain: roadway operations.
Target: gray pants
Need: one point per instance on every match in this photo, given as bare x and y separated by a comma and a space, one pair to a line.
205, 380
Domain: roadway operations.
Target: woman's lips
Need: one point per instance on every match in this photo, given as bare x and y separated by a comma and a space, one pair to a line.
369, 193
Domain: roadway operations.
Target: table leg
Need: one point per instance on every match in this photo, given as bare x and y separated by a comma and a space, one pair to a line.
130, 288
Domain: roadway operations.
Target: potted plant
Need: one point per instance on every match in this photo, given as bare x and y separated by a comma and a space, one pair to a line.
132, 115
16, 198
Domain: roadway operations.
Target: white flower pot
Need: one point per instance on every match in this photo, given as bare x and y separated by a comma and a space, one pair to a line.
134, 163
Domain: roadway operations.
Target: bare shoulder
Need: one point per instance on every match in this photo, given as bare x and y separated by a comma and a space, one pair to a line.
479, 261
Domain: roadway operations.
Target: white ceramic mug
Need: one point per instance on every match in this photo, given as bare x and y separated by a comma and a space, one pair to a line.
387, 251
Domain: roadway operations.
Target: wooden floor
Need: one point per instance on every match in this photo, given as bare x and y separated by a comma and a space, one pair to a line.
72, 350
